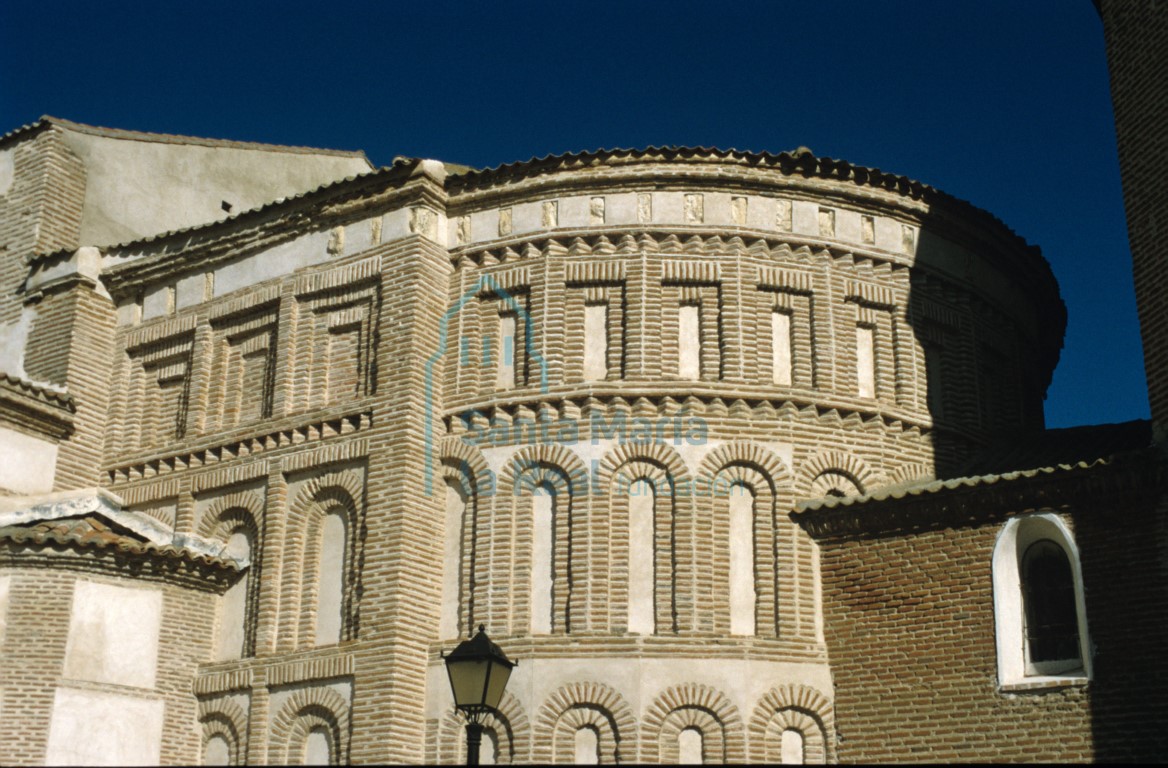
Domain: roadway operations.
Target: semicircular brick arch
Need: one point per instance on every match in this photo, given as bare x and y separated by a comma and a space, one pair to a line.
581, 705
509, 724
837, 463
211, 521
744, 453
304, 710
793, 707
607, 567
225, 718
656, 453
690, 705
910, 472
318, 497
545, 455
350, 483
469, 461
502, 595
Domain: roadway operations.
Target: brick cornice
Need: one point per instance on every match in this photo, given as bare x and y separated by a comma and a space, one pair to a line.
172, 254
35, 409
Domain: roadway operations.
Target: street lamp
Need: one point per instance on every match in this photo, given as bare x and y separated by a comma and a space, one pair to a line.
478, 671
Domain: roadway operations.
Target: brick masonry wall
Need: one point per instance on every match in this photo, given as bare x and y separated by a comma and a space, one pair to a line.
910, 634
334, 416
1136, 32
40, 213
33, 651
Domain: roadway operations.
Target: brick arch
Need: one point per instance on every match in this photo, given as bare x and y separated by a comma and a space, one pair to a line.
839, 463
579, 705
211, 521
304, 710
501, 570
227, 719
798, 707
917, 471
657, 453
350, 482
693, 705
468, 461
344, 489
509, 723
546, 455
744, 453
607, 568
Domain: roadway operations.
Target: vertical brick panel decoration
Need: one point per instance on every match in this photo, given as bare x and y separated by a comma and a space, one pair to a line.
402, 573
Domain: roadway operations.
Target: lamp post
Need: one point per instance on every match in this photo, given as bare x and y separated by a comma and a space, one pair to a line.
478, 671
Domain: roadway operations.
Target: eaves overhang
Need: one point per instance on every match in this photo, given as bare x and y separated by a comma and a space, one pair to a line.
927, 505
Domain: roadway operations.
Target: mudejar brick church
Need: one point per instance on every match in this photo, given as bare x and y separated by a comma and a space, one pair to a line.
740, 456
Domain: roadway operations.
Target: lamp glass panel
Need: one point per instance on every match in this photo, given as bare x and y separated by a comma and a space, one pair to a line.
499, 676
467, 678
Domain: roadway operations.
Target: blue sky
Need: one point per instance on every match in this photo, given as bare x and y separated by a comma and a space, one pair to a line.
1005, 104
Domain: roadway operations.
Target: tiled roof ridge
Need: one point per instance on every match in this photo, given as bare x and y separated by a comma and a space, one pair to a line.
122, 544
45, 392
800, 160
173, 138
930, 486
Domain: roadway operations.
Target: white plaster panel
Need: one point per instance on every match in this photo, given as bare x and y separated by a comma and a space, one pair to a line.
359, 236
761, 212
668, 208
189, 290
888, 234
527, 217
113, 634
7, 170
621, 209
5, 588
484, 225
127, 312
281, 260
395, 225
27, 464
574, 211
847, 225
154, 302
716, 207
805, 218
98, 728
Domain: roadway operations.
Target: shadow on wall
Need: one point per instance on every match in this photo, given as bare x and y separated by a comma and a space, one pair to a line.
987, 331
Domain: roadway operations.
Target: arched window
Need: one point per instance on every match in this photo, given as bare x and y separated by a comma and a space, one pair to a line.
587, 746
217, 751
1040, 613
489, 747
1048, 594
742, 592
543, 513
642, 503
331, 575
791, 748
689, 746
456, 504
233, 619
318, 747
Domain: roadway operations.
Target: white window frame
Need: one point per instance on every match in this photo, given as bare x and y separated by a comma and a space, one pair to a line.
1015, 672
